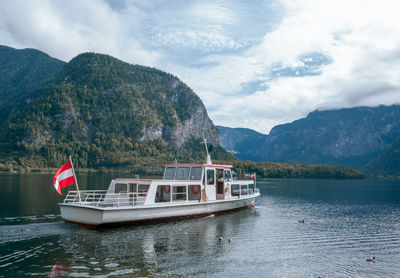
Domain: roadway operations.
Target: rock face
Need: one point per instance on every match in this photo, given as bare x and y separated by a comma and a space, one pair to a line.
196, 126
346, 137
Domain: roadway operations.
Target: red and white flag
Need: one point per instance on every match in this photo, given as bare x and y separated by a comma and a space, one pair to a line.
64, 177
253, 176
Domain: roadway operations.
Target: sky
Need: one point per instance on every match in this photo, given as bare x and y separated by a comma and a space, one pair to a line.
254, 64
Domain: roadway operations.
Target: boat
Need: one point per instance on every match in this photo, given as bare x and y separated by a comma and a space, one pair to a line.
186, 191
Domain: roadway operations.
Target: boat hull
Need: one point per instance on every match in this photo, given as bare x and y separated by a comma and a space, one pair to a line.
92, 216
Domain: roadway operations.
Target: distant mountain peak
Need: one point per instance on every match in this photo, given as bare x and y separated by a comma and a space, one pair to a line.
348, 137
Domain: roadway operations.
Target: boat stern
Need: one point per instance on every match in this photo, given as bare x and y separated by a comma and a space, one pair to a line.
81, 214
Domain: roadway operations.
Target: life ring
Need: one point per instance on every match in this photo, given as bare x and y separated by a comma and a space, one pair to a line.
195, 192
164, 188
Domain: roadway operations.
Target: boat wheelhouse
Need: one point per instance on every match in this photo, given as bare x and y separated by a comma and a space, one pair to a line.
186, 191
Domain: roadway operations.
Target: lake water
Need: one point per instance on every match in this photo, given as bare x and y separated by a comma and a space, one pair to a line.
345, 222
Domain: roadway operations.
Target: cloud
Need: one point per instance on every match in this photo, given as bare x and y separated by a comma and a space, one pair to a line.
254, 64
65, 30
360, 40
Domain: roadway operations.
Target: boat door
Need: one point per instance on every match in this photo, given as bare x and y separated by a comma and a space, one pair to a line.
220, 185
210, 183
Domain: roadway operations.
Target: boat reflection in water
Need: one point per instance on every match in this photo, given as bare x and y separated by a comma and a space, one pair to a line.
160, 248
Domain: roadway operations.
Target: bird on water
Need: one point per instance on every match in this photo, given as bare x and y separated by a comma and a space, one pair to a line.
371, 260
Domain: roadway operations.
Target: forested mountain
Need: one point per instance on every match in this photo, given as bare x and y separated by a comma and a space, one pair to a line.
348, 137
22, 71
110, 113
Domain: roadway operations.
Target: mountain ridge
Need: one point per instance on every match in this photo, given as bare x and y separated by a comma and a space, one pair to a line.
349, 137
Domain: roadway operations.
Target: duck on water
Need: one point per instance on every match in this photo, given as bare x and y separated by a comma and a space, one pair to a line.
186, 191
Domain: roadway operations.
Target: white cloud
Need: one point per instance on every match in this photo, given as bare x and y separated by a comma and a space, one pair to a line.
65, 30
362, 38
251, 63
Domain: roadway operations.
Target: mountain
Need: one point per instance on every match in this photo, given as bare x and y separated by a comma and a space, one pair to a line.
110, 113
386, 164
348, 137
22, 71
241, 142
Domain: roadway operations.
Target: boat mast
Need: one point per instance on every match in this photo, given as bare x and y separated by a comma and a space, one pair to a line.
76, 180
208, 159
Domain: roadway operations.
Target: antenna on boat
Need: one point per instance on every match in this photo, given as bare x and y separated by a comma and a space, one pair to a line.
208, 159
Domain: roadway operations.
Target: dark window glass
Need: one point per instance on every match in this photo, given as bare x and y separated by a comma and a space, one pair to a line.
169, 173
120, 187
195, 173
210, 177
182, 173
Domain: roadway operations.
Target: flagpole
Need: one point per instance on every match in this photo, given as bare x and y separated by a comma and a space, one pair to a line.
76, 180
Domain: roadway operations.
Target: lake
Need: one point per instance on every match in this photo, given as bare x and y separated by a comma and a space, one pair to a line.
345, 222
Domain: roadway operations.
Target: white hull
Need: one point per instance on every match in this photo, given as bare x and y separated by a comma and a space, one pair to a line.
100, 216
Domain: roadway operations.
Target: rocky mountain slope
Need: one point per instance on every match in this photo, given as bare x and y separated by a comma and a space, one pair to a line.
107, 111
347, 137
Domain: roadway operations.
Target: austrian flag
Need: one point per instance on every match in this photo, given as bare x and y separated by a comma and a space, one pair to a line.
64, 177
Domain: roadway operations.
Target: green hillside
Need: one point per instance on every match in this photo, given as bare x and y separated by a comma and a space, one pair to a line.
22, 71
107, 113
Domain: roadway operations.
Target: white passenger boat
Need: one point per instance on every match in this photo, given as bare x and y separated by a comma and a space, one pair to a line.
186, 191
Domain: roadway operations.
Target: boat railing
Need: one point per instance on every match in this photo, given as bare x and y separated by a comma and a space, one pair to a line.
100, 198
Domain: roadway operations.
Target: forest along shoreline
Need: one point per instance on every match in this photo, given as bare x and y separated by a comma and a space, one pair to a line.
262, 170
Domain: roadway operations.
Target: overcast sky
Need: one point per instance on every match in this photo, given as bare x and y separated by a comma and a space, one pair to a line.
254, 64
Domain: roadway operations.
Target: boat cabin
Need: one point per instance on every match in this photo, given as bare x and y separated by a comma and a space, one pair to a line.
212, 178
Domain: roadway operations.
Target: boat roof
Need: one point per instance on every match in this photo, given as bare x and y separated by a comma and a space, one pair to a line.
198, 164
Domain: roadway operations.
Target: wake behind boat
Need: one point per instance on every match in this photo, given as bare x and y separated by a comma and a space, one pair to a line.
186, 191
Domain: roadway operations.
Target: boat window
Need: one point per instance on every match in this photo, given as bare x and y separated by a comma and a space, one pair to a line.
220, 175
179, 193
194, 192
182, 173
234, 175
142, 189
228, 176
121, 187
244, 190
132, 187
195, 174
169, 173
210, 177
251, 188
163, 194
235, 190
